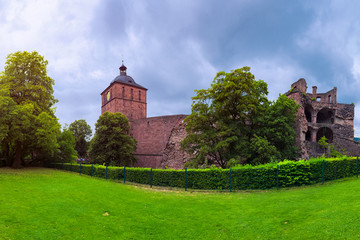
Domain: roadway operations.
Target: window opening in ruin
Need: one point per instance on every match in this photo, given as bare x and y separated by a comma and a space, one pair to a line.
324, 131
329, 98
308, 111
325, 116
132, 94
308, 136
123, 92
318, 99
139, 96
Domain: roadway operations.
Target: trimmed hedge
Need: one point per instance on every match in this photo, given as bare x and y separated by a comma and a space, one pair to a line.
283, 174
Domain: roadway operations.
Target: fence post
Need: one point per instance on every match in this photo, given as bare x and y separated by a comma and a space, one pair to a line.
151, 177
277, 177
92, 170
185, 179
124, 174
80, 169
357, 166
106, 174
230, 179
323, 171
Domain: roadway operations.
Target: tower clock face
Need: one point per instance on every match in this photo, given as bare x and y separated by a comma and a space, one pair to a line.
108, 96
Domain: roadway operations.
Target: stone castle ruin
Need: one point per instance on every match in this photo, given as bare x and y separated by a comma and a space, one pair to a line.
159, 137
320, 115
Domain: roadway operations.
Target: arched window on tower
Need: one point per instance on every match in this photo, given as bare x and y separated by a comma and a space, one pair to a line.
123, 92
132, 94
139, 95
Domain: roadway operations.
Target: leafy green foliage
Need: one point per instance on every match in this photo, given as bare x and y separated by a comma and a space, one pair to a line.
46, 132
294, 173
66, 141
26, 77
278, 127
291, 173
334, 153
82, 133
261, 149
28, 126
323, 143
234, 114
111, 143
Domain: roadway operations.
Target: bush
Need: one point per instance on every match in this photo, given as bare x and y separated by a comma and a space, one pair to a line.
285, 174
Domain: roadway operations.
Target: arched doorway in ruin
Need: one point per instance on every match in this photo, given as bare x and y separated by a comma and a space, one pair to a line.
325, 131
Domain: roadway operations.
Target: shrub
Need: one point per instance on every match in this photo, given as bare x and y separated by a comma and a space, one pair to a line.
285, 174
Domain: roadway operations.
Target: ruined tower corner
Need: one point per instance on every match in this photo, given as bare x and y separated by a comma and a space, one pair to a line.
298, 86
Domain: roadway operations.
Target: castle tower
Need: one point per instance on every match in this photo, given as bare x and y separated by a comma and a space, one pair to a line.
320, 115
124, 95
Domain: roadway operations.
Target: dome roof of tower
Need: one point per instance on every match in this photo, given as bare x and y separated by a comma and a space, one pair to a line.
125, 79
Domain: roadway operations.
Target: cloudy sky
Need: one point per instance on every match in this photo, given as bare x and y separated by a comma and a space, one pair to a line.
174, 47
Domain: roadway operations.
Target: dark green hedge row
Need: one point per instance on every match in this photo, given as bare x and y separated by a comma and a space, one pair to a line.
283, 174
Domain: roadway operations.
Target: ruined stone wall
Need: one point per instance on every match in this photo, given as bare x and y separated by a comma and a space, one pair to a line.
173, 156
343, 146
153, 135
320, 115
347, 147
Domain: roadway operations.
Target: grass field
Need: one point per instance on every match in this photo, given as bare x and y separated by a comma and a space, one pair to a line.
42, 203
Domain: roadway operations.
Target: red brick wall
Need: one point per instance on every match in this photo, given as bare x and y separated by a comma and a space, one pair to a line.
148, 161
153, 135
129, 100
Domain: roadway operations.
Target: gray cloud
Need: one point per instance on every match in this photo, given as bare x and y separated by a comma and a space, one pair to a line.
174, 47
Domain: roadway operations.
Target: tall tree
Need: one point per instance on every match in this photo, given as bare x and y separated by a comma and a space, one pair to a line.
46, 133
278, 126
28, 94
228, 120
111, 143
66, 141
82, 133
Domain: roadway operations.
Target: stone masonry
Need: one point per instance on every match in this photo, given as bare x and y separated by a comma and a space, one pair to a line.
159, 137
320, 115
155, 138
126, 96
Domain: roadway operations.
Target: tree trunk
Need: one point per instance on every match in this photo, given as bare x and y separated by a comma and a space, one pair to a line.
7, 155
18, 154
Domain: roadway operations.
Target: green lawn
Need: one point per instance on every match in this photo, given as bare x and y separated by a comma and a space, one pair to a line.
50, 204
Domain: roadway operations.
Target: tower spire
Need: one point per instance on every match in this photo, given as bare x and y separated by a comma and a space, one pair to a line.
122, 69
